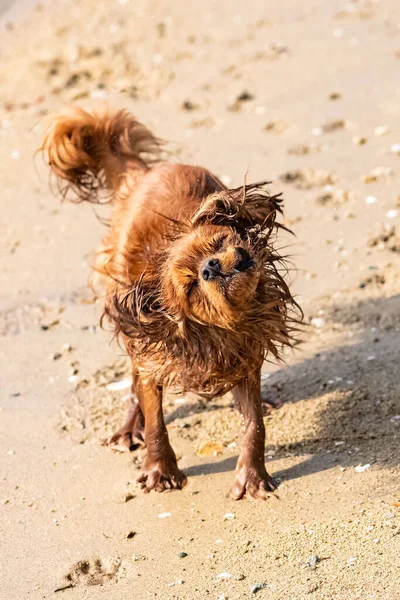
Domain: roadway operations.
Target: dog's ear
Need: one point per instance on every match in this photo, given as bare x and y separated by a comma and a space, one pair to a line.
241, 208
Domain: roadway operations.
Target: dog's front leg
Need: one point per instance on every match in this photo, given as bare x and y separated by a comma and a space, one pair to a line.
251, 476
160, 471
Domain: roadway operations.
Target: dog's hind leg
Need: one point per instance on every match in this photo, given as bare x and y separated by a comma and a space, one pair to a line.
131, 435
270, 401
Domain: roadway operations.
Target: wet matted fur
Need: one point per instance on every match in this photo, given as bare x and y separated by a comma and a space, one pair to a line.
195, 286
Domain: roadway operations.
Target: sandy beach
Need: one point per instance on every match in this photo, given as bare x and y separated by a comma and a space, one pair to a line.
306, 94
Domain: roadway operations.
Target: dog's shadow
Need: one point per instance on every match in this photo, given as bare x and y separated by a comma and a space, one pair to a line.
313, 464
364, 409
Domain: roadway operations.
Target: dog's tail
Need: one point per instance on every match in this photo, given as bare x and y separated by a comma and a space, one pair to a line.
90, 152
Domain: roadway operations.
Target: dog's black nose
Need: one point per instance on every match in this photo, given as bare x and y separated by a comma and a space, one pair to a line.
244, 260
211, 269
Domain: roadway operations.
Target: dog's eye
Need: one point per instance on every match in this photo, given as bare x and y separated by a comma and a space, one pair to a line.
191, 286
219, 243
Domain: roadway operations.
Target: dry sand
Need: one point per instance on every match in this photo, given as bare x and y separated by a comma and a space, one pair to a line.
304, 93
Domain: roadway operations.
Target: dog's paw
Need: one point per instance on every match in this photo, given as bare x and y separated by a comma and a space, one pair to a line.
270, 402
161, 477
124, 441
252, 482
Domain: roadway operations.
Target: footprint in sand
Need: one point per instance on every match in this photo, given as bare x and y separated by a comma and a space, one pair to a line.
95, 571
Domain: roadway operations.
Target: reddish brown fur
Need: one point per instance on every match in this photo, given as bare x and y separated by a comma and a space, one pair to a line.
180, 329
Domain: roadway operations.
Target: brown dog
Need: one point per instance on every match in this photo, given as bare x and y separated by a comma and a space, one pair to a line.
194, 286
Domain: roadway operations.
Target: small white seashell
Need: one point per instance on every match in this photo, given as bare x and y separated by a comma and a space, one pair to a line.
318, 322
362, 468
229, 517
122, 384
226, 179
381, 130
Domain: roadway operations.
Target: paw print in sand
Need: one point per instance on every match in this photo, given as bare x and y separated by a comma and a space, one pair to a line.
95, 571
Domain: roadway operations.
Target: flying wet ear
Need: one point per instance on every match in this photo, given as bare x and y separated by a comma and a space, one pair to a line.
240, 208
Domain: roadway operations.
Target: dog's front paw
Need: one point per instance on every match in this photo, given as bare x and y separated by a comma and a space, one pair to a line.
253, 482
161, 476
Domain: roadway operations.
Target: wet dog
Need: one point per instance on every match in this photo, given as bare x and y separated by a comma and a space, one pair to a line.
194, 287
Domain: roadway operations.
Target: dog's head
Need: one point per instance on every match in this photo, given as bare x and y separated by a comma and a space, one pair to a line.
213, 270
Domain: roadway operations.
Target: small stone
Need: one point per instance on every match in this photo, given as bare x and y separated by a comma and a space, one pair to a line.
229, 517
276, 126
123, 384
210, 449
183, 554
362, 468
391, 214
395, 148
224, 575
245, 96
381, 130
370, 200
164, 515
359, 140
179, 401
10, 452
130, 535
377, 173
128, 497
188, 105
318, 322
256, 587
314, 561
316, 131
15, 154
334, 125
